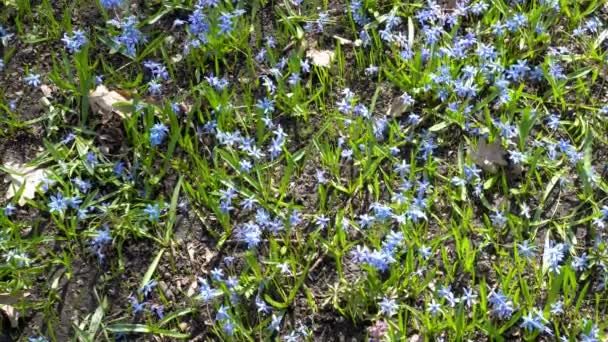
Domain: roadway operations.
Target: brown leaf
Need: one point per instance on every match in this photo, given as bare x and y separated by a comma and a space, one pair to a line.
397, 107
321, 58
12, 314
103, 103
489, 156
22, 175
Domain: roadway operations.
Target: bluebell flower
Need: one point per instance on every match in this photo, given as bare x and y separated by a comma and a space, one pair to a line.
517, 157
478, 7
518, 71
294, 218
136, 306
217, 274
580, 263
261, 305
526, 250
555, 255
91, 159
154, 88
427, 148
32, 80
471, 172
130, 36
515, 22
222, 313
158, 133
468, 297
553, 121
153, 212
556, 71
73, 202
425, 252
502, 306
434, 308
9, 209
498, 219
251, 234
381, 212
275, 323
158, 70
58, 204
37, 339
206, 292
322, 221
148, 287
265, 105
535, 321
392, 241
111, 4
457, 181
158, 310
557, 308
74, 42
388, 307
228, 327
225, 23
207, 3
365, 221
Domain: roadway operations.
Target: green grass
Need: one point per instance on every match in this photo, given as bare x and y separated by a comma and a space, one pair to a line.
447, 224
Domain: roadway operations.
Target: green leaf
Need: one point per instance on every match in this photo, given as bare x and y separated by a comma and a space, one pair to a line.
151, 268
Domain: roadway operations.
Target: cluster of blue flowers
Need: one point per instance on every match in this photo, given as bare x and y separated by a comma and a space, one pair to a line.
130, 36
111, 4
74, 42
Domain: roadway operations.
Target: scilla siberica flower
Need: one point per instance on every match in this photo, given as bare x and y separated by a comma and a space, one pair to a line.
130, 36
111, 4
158, 132
75, 42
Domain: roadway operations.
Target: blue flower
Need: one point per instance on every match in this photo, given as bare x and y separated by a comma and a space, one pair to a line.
580, 263
498, 219
225, 23
136, 306
111, 4
206, 292
153, 212
58, 204
154, 88
388, 307
434, 308
74, 42
158, 70
130, 36
148, 287
502, 306
32, 80
37, 339
266, 105
535, 321
9, 209
322, 221
261, 305
158, 132
525, 250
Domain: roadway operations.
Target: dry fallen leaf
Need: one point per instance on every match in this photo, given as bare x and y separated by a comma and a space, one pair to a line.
103, 102
11, 314
321, 58
29, 177
489, 156
46, 90
398, 107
